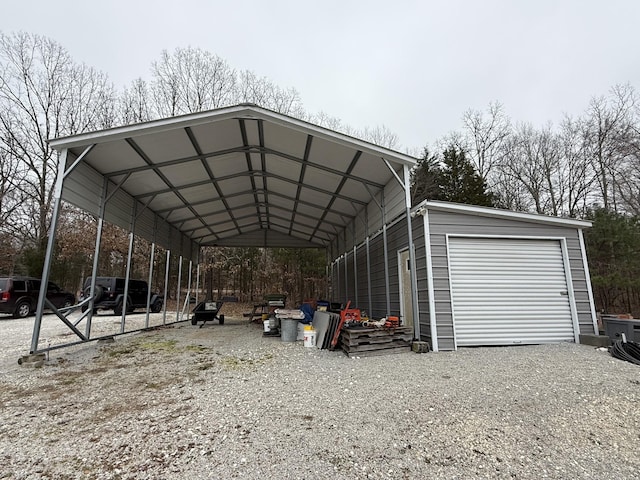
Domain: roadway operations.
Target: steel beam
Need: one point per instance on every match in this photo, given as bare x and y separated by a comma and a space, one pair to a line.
46, 268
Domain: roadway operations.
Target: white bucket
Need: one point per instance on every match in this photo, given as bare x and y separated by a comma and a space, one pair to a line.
267, 325
309, 338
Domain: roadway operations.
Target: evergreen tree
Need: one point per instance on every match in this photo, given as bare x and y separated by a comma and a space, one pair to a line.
461, 183
613, 248
426, 178
452, 179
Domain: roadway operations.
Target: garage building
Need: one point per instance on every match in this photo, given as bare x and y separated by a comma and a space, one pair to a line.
485, 277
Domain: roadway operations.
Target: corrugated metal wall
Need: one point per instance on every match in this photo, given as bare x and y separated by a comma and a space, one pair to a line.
396, 240
86, 194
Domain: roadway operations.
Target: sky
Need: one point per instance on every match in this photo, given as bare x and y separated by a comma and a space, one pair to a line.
412, 66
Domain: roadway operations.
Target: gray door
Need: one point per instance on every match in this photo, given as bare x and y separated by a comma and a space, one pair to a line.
509, 291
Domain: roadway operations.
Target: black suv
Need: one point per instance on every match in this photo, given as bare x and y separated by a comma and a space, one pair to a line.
109, 295
19, 295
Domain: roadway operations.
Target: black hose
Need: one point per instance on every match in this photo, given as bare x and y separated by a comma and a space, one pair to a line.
628, 351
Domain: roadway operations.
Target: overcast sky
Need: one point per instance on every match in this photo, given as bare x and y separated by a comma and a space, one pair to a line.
414, 66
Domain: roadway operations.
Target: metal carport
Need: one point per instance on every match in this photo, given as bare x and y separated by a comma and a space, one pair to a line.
235, 176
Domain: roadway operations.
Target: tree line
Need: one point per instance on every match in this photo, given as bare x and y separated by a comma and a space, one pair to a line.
587, 166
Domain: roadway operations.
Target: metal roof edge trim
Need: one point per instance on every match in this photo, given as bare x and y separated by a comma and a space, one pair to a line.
247, 111
152, 126
334, 136
496, 212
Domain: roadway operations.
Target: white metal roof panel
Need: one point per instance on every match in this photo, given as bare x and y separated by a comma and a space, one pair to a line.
225, 168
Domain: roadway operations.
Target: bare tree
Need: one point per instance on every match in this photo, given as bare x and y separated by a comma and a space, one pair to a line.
251, 88
135, 103
575, 169
191, 80
483, 138
522, 165
608, 131
43, 95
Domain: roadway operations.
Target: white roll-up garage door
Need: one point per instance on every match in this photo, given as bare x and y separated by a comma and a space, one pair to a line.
509, 291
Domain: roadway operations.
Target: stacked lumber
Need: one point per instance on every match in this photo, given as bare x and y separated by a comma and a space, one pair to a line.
366, 342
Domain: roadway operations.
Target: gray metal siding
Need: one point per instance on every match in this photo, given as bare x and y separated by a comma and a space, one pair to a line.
363, 293
443, 223
396, 240
378, 301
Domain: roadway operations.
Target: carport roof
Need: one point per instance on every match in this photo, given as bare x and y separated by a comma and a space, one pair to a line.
238, 176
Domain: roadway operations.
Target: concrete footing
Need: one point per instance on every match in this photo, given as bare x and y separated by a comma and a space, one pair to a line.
595, 340
420, 347
33, 360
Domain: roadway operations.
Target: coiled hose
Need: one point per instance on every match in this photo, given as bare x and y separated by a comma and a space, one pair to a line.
628, 351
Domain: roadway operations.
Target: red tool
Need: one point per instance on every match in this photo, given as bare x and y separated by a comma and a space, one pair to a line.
392, 322
343, 318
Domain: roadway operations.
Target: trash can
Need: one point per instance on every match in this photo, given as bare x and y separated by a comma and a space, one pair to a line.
614, 327
288, 329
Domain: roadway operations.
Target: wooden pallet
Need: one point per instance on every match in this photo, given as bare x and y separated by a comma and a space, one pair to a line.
364, 342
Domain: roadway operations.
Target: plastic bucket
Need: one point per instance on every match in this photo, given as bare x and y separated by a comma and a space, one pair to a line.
288, 329
266, 322
309, 338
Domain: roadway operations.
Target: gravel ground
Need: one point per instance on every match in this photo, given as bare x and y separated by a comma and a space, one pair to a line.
225, 402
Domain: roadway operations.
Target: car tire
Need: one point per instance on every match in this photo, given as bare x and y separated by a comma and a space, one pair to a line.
67, 303
23, 309
221, 319
118, 309
97, 293
156, 307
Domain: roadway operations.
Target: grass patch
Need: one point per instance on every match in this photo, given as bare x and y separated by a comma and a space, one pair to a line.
160, 346
197, 348
235, 363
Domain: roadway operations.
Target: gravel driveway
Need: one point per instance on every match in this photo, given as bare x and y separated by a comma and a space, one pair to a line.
225, 402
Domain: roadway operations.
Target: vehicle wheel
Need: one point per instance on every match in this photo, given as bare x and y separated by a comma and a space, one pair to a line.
118, 309
97, 293
22, 310
194, 321
67, 303
221, 319
84, 308
156, 306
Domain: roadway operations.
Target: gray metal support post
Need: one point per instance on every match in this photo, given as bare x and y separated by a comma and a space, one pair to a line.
96, 256
127, 275
197, 281
338, 289
366, 219
386, 255
355, 267
166, 286
151, 261
186, 300
46, 268
412, 256
346, 269
178, 290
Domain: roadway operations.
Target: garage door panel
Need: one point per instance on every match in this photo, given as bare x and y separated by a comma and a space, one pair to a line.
508, 291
